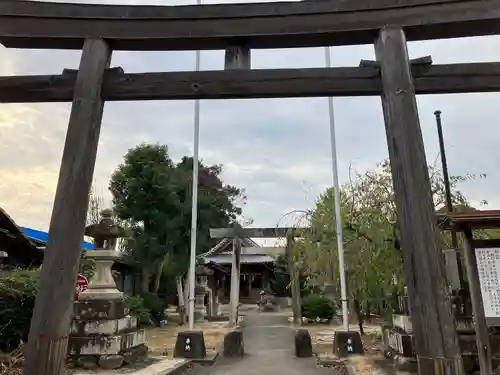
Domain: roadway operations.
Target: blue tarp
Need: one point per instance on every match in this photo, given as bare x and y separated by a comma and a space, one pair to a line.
38, 235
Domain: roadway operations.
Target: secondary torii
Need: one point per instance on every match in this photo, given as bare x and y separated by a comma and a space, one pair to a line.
236, 233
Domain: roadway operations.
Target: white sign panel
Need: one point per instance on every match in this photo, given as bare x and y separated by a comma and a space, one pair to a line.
488, 264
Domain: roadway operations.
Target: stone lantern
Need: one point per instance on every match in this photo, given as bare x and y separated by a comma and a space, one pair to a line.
103, 334
200, 291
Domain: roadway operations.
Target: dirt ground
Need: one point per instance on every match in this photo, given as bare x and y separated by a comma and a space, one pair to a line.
372, 363
161, 341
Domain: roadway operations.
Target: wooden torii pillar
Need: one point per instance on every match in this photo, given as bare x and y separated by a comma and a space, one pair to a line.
234, 300
237, 233
435, 335
45, 351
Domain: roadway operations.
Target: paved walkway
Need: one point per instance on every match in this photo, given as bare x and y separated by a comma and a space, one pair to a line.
269, 350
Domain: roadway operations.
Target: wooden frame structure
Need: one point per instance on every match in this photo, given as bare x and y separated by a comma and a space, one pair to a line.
237, 28
467, 222
236, 234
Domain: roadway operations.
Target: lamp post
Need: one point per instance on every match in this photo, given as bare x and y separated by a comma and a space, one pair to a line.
338, 217
447, 189
194, 203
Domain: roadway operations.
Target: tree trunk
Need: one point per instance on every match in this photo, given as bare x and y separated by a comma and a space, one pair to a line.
368, 312
181, 300
145, 278
359, 315
158, 275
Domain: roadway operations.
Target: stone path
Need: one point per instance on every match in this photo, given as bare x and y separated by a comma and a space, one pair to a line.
269, 350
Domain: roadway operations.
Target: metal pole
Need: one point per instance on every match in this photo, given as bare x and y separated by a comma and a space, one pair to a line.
338, 218
447, 189
194, 204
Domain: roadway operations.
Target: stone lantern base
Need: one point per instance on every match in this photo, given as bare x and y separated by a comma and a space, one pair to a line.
104, 335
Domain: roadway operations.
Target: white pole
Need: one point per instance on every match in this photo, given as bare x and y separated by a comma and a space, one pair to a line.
194, 204
338, 217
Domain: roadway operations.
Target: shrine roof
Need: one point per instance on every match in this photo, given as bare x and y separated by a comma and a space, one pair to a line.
478, 219
223, 245
226, 259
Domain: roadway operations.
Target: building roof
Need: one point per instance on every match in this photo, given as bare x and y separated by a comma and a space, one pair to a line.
41, 238
223, 245
20, 250
251, 253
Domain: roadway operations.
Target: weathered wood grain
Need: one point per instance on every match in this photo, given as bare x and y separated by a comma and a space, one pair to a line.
50, 325
205, 11
262, 25
235, 282
438, 79
436, 340
237, 58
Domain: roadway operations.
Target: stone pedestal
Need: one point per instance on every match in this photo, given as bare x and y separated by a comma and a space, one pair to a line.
347, 343
233, 344
190, 344
303, 344
103, 334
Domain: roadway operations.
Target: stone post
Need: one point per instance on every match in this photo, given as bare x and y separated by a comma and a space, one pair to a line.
103, 334
201, 290
213, 294
248, 278
191, 344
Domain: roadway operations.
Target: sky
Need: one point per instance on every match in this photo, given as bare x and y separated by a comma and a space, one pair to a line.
278, 150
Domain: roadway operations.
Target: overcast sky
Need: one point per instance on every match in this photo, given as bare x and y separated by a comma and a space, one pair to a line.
277, 149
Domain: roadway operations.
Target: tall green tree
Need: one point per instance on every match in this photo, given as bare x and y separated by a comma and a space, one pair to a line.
218, 204
372, 247
154, 195
144, 193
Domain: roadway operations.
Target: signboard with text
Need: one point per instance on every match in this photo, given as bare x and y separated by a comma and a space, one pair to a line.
488, 265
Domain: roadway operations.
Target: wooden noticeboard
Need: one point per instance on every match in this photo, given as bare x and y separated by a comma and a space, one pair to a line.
488, 264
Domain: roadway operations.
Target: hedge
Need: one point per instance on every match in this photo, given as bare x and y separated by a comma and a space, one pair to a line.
317, 306
18, 289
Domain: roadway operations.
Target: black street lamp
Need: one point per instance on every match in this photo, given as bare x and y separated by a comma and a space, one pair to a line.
447, 189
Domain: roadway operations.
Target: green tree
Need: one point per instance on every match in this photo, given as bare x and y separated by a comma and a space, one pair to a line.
372, 247
153, 195
218, 205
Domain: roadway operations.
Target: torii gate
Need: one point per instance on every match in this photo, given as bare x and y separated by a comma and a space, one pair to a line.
236, 233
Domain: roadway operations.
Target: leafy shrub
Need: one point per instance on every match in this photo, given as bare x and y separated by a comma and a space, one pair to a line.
156, 306
317, 306
18, 289
148, 308
137, 309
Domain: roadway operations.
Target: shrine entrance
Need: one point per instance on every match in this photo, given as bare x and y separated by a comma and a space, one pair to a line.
237, 28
